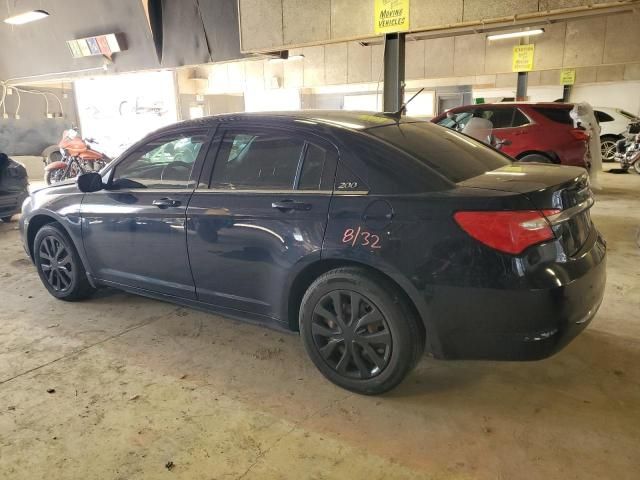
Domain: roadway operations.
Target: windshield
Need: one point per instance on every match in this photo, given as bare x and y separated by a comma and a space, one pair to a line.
630, 116
455, 156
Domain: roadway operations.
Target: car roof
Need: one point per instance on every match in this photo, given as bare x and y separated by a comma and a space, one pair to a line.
507, 104
350, 120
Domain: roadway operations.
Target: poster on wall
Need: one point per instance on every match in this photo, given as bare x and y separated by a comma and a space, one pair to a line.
119, 110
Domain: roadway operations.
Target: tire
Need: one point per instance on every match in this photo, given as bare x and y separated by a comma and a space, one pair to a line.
53, 176
7, 219
636, 167
608, 147
369, 353
67, 280
535, 158
54, 157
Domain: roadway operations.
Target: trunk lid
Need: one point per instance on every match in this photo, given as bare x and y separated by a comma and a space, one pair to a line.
548, 187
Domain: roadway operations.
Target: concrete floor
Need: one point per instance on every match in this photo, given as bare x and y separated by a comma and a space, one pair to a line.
140, 383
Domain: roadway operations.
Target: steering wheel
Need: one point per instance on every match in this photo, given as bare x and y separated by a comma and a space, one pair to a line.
175, 165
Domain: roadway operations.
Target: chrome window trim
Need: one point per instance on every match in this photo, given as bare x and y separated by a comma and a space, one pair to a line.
279, 192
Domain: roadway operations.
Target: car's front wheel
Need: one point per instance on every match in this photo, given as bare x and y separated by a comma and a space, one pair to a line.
359, 330
59, 265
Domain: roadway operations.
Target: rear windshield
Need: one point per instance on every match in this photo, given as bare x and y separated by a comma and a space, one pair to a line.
557, 114
453, 155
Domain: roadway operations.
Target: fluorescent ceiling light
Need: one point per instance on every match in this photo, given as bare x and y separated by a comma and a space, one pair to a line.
26, 17
523, 33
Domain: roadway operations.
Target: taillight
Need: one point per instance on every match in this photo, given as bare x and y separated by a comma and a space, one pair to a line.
579, 134
507, 231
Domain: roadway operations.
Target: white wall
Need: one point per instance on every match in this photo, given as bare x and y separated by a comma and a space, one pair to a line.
625, 95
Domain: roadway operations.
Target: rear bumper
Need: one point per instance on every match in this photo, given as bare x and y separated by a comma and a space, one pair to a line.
522, 324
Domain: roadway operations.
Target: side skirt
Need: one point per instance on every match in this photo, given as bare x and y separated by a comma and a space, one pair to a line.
252, 318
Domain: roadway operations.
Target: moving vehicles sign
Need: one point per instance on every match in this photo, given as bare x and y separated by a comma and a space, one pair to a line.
391, 16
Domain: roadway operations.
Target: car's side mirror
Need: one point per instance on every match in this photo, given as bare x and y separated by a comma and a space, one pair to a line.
90, 182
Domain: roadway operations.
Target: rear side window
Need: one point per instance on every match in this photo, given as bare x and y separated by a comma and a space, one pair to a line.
603, 117
499, 117
519, 119
453, 155
312, 168
558, 115
259, 161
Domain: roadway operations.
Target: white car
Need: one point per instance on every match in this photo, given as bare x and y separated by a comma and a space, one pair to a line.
613, 126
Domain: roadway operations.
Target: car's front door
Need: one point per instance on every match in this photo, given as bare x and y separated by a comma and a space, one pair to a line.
262, 215
510, 124
134, 230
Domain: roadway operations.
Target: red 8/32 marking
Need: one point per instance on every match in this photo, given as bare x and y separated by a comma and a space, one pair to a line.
361, 237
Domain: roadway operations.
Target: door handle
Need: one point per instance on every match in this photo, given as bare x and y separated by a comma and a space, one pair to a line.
166, 203
286, 205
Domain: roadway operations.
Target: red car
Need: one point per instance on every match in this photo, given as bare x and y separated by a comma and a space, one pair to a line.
534, 132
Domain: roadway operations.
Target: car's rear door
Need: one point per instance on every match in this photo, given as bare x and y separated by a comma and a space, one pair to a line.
134, 230
262, 214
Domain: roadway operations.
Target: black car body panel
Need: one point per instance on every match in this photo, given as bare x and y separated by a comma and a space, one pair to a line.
14, 186
246, 253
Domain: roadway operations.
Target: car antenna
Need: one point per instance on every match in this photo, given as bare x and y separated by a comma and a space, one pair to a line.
398, 112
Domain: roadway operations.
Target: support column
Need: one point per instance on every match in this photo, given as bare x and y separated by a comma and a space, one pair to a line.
566, 93
393, 72
521, 91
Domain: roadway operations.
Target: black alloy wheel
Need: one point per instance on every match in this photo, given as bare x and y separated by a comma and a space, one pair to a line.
360, 330
59, 265
56, 263
351, 334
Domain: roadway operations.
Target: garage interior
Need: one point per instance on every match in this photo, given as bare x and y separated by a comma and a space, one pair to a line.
126, 387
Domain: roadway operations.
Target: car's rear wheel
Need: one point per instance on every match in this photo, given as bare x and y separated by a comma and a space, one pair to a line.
535, 158
359, 331
59, 265
608, 148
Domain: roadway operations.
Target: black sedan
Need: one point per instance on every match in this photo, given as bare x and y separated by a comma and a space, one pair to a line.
13, 187
376, 238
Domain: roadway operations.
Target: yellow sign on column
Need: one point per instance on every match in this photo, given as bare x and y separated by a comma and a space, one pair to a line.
391, 16
567, 76
522, 58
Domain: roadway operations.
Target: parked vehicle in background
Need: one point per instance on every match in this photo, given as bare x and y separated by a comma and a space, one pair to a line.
77, 157
613, 126
14, 187
628, 149
376, 237
537, 132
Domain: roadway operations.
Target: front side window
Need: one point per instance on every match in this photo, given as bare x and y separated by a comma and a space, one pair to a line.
456, 121
165, 162
257, 161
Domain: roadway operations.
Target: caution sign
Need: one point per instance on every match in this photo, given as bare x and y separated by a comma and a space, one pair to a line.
567, 76
391, 16
522, 58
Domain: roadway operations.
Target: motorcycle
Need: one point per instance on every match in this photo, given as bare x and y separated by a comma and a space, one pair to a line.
628, 149
78, 157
